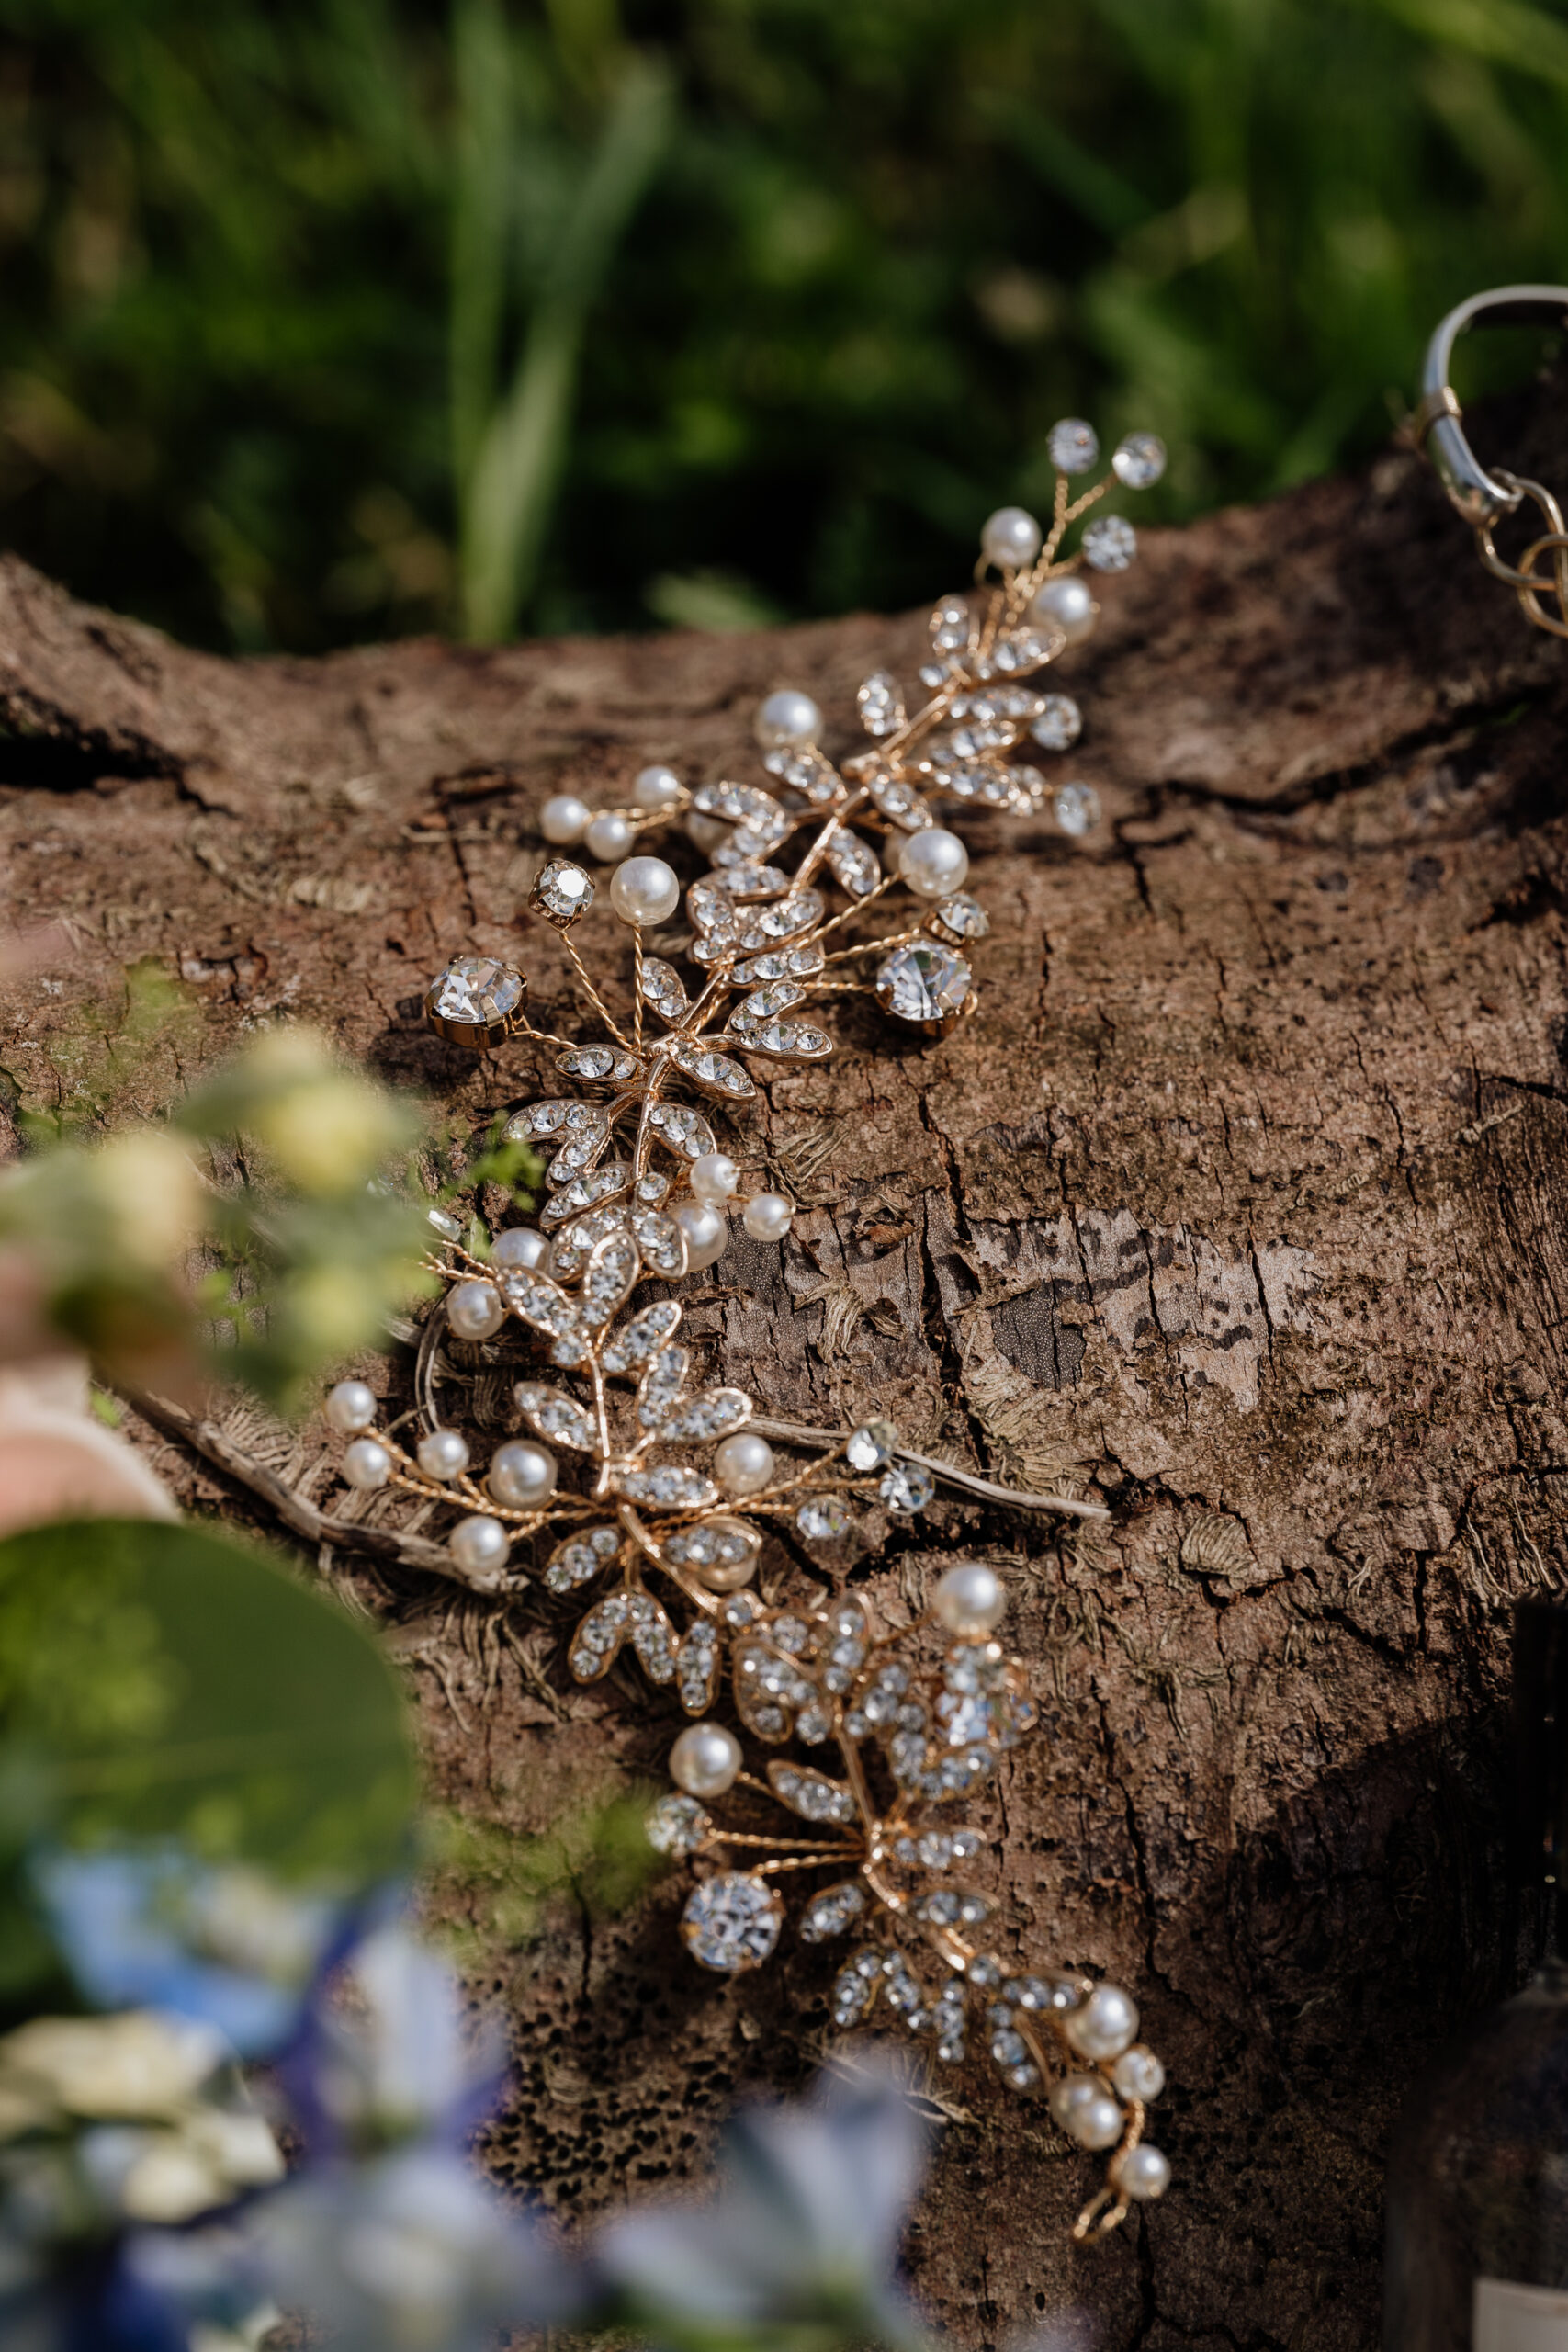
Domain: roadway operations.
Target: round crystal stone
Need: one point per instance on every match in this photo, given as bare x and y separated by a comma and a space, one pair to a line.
905, 1487
1077, 808
677, 1826
475, 993
1073, 446
731, 1922
923, 983
1059, 725
871, 1446
822, 1521
1110, 544
1139, 460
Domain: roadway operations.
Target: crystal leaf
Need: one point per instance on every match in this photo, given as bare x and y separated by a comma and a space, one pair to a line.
744, 804
600, 1062
715, 1073
708, 907
663, 987
1059, 725
830, 1913
950, 625
539, 1119
569, 1250
761, 1005
880, 703
661, 1242
812, 1794
790, 1041
671, 1486
622, 1617
745, 880
555, 1415
802, 911
562, 892
899, 803
661, 1384
855, 1988
586, 1192
613, 1266
855, 865
580, 1557
784, 964
731, 1922
540, 1302
677, 1827
580, 1150
713, 1544
640, 1336
711, 1414
769, 1689
685, 1131
697, 1664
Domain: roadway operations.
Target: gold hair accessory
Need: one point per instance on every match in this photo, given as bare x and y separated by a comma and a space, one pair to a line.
887, 1730
1482, 496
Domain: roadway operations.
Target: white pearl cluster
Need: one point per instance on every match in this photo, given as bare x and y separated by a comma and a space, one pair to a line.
715, 1180
1089, 2108
608, 833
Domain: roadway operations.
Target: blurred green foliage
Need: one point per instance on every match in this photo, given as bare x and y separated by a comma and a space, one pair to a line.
327, 319
494, 1890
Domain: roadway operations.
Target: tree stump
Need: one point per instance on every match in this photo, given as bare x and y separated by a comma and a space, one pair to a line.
1242, 1192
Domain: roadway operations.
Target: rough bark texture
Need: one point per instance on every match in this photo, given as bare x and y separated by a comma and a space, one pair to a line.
1244, 1191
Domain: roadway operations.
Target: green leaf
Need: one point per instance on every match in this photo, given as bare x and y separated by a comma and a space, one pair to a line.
173, 1686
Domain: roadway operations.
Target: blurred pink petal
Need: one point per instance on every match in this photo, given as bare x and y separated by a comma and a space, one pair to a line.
56, 1462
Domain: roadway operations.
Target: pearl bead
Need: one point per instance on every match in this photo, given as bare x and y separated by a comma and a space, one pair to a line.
706, 1760
767, 1216
715, 1178
657, 788
934, 862
520, 1245
1142, 2173
522, 1475
1107, 2022
368, 1462
706, 833
643, 891
1139, 2074
442, 1454
564, 818
1087, 2112
351, 1406
609, 836
744, 1464
788, 720
479, 1543
474, 1310
969, 1597
706, 1232
1011, 538
1066, 604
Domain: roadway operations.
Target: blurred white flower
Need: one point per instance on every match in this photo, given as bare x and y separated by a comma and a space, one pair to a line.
403, 2066
139, 2065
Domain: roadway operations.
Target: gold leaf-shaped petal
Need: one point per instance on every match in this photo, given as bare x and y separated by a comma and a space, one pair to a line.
812, 1794
626, 1616
661, 1242
715, 1073
709, 907
755, 811
556, 1415
789, 1041
769, 1688
950, 625
833, 1911
586, 1192
642, 1336
613, 1266
711, 1414
661, 1384
697, 1663
580, 1557
539, 1302
663, 987
899, 803
671, 1486
880, 703
713, 1544
855, 865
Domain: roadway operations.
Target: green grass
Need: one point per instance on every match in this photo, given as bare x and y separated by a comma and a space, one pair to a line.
331, 319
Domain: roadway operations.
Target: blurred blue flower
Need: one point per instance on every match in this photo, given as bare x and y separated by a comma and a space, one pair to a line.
155, 1928
804, 2232
401, 2066
410, 2252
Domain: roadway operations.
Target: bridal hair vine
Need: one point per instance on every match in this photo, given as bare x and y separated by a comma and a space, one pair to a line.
1482, 495
886, 1731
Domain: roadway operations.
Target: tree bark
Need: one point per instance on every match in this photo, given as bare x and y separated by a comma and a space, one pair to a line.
1243, 1191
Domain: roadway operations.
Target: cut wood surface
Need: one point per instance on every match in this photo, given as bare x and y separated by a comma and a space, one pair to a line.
1241, 1200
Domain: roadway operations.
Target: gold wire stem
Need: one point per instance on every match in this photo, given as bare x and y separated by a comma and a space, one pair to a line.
803, 1862
636, 986
856, 908
545, 1036
784, 1845
594, 998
